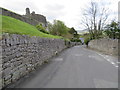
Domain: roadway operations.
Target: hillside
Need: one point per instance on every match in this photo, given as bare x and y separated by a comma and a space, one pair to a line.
82, 31
14, 26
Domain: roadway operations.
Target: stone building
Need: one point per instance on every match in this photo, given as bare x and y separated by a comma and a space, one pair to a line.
37, 17
30, 18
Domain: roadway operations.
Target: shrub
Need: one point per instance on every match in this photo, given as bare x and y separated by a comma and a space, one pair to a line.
41, 29
75, 40
87, 40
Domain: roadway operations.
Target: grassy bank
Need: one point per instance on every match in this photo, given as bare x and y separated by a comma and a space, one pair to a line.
14, 26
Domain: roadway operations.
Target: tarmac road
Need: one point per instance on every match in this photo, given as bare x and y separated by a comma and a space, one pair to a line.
76, 67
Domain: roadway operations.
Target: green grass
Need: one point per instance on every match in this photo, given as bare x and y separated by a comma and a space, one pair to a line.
14, 26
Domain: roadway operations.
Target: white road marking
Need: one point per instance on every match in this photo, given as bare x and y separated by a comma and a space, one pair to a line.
59, 59
116, 66
78, 55
95, 57
112, 62
108, 59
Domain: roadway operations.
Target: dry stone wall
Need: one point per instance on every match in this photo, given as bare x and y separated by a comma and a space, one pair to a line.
21, 54
109, 46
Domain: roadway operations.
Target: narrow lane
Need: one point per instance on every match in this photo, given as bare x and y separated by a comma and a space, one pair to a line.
76, 67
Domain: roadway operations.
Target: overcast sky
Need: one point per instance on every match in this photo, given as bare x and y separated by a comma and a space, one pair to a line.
68, 11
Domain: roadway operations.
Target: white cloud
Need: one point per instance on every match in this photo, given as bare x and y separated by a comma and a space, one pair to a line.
69, 11
54, 7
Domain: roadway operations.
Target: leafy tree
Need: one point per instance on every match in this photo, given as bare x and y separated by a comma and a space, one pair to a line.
49, 26
87, 37
73, 32
58, 28
112, 30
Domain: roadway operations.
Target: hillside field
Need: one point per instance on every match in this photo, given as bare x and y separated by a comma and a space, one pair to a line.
15, 26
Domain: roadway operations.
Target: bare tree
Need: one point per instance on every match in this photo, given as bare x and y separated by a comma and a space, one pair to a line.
94, 19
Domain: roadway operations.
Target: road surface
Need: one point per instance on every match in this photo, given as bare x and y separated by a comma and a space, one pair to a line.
76, 67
